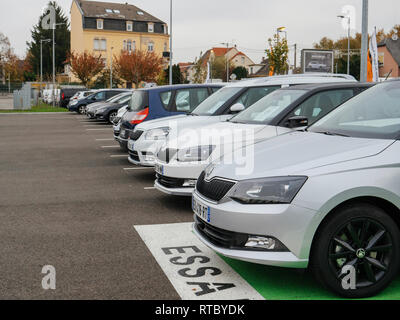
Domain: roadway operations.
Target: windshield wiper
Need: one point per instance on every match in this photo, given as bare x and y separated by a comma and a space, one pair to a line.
329, 133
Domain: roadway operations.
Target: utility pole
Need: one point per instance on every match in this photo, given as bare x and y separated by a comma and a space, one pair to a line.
111, 69
170, 45
295, 55
348, 40
41, 62
54, 61
227, 61
364, 42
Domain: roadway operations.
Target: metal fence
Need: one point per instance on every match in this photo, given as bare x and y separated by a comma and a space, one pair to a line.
8, 88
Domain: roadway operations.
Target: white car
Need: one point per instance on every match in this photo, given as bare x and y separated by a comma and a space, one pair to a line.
327, 198
181, 160
148, 137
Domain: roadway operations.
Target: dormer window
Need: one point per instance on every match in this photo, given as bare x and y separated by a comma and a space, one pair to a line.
100, 24
109, 11
129, 26
140, 13
151, 27
117, 11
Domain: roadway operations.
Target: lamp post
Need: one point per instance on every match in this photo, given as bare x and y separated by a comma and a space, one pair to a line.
227, 61
41, 61
348, 41
211, 64
170, 44
283, 30
111, 69
54, 60
364, 42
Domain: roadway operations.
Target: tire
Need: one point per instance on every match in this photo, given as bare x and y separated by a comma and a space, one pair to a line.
82, 109
111, 116
348, 224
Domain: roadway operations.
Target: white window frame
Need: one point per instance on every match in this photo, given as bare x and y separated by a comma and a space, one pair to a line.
96, 44
150, 27
103, 45
150, 45
129, 26
100, 24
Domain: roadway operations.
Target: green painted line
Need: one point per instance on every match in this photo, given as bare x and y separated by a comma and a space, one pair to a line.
289, 284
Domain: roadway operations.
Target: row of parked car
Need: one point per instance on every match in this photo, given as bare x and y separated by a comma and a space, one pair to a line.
294, 171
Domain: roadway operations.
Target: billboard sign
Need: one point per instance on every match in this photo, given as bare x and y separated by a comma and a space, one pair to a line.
317, 60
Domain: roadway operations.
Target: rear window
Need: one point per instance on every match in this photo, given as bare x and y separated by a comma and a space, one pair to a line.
139, 101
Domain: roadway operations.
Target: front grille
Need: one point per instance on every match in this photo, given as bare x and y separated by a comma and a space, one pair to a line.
220, 238
134, 156
165, 155
215, 189
170, 182
135, 135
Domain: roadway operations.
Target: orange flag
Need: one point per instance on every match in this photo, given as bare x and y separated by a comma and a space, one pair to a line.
370, 74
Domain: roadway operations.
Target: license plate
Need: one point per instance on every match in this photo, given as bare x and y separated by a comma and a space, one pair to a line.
202, 211
159, 169
130, 145
122, 134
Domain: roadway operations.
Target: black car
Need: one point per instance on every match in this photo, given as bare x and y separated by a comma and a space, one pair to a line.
108, 110
66, 94
99, 96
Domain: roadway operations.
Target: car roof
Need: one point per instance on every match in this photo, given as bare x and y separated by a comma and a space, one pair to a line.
185, 86
334, 85
294, 79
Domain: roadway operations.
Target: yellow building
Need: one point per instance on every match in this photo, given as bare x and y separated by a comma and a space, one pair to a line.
107, 28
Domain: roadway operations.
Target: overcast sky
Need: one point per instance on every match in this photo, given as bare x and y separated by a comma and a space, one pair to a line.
199, 25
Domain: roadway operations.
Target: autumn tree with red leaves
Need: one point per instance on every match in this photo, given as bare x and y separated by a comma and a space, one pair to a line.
85, 66
138, 66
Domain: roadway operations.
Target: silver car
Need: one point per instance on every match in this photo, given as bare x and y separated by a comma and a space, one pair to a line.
327, 198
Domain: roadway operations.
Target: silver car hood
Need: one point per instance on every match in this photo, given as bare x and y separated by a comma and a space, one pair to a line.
180, 122
296, 152
223, 133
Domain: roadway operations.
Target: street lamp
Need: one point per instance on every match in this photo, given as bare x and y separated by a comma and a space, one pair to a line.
111, 69
227, 61
348, 41
170, 44
283, 30
54, 59
41, 61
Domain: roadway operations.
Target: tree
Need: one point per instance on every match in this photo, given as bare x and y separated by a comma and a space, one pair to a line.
103, 80
138, 66
240, 72
200, 71
177, 77
85, 66
218, 68
62, 40
278, 54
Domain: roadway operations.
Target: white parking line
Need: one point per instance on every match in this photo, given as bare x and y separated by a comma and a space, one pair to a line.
108, 129
195, 271
150, 188
108, 139
119, 156
139, 168
108, 147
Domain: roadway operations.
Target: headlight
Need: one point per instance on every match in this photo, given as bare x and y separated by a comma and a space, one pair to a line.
157, 134
74, 102
268, 190
200, 153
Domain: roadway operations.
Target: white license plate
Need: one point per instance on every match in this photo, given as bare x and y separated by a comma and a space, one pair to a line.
122, 133
159, 169
202, 211
131, 145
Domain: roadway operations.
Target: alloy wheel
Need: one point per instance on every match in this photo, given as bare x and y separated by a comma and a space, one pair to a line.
364, 244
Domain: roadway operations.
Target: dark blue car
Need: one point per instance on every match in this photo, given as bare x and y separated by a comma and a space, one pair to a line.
79, 106
154, 103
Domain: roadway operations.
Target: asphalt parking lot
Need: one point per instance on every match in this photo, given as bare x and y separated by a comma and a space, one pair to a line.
66, 200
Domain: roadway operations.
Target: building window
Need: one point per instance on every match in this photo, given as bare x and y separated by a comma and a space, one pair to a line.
100, 24
150, 46
100, 44
129, 26
129, 45
150, 27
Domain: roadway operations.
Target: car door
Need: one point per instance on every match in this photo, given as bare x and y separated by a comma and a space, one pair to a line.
186, 100
320, 104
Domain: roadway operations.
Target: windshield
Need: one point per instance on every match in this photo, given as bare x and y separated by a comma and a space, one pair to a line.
266, 109
139, 101
375, 114
212, 104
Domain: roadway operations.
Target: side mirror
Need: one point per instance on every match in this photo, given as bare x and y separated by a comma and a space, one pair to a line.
238, 107
297, 122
